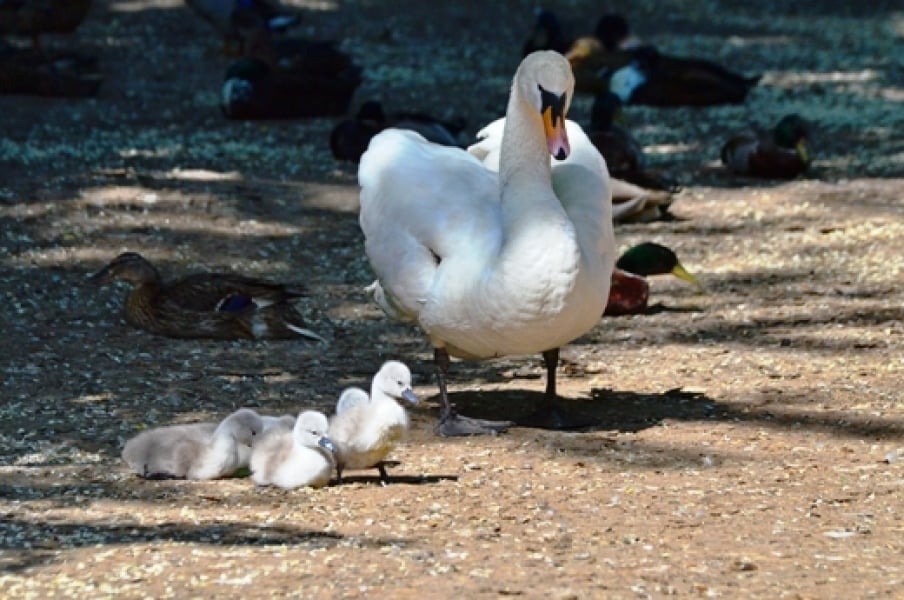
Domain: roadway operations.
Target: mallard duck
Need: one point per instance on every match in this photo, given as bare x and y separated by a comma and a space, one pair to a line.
614, 33
493, 263
293, 457
624, 155
655, 79
783, 154
254, 90
547, 34
233, 18
349, 138
196, 451
34, 72
630, 291
643, 75
366, 429
205, 305
35, 17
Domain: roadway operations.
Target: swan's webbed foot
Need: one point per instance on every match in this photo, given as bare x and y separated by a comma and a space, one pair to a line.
454, 424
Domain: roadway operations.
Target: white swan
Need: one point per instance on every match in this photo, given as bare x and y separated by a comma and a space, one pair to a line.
196, 451
291, 458
366, 429
630, 203
490, 264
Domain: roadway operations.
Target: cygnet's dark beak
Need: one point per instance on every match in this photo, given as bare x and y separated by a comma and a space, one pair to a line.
325, 442
409, 396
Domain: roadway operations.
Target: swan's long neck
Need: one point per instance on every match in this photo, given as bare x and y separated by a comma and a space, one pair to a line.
523, 155
540, 252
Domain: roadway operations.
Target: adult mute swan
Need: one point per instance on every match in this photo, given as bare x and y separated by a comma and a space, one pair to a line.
491, 264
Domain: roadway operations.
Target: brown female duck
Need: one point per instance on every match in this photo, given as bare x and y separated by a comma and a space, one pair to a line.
32, 72
205, 305
36, 17
783, 154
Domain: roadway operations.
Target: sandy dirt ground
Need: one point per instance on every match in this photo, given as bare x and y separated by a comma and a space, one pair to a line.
752, 437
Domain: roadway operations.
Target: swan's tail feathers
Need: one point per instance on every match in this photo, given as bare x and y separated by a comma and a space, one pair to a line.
389, 306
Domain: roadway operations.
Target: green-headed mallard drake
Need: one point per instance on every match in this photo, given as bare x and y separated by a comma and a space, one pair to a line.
630, 291
349, 138
624, 155
255, 90
33, 72
783, 154
205, 305
35, 17
231, 19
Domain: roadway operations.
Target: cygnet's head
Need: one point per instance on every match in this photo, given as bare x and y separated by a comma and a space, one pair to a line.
394, 380
243, 425
310, 430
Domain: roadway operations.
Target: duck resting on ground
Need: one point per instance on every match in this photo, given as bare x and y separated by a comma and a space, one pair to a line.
255, 89
624, 155
782, 154
206, 305
492, 263
37, 73
36, 17
232, 19
630, 291
350, 138
366, 428
195, 451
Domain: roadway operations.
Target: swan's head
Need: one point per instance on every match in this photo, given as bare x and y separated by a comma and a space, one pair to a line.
394, 380
545, 80
310, 430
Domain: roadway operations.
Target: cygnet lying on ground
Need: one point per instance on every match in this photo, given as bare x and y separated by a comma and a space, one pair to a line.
196, 451
291, 458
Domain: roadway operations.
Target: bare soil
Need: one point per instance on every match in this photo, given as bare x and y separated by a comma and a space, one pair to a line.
752, 437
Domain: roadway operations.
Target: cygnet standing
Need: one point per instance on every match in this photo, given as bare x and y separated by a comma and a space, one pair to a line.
197, 451
291, 458
365, 430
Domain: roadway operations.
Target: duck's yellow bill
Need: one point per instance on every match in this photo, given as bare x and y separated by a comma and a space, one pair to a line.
681, 273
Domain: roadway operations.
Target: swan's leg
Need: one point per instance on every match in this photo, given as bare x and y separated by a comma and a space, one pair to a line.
551, 414
450, 422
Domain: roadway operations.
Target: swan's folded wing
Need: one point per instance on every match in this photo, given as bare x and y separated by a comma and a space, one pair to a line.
422, 204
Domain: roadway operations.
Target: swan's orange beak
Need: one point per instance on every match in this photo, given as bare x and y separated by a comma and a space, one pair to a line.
553, 111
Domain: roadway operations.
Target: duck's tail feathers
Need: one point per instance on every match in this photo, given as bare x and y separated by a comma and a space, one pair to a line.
307, 333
